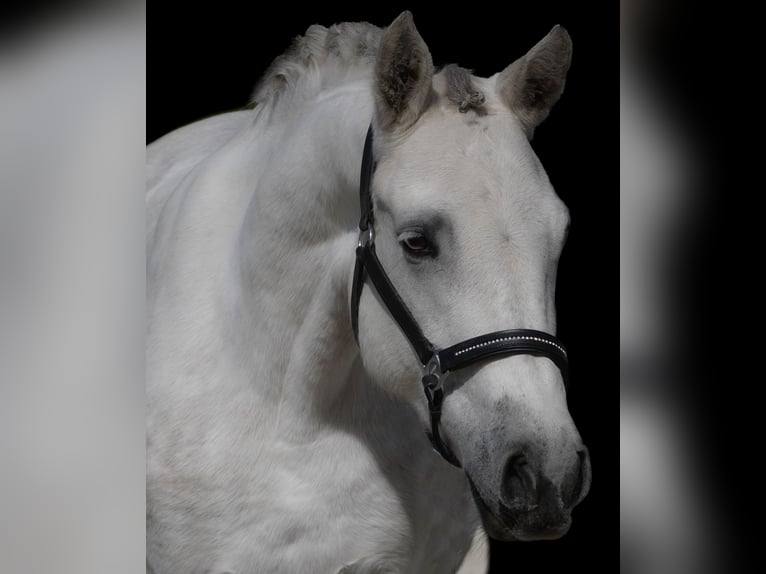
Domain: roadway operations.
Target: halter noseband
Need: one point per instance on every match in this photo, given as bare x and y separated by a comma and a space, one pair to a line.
435, 363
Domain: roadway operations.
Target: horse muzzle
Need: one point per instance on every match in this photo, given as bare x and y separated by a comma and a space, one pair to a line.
530, 504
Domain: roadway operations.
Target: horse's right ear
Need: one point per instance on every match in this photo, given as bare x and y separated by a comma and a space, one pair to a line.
403, 74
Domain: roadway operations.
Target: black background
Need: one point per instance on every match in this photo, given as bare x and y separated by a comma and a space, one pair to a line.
204, 61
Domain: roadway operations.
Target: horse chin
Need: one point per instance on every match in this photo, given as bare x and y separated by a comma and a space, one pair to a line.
515, 526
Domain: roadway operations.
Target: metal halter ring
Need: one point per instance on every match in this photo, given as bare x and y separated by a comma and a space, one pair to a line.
433, 370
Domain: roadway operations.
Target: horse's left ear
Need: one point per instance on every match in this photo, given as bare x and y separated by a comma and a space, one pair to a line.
533, 83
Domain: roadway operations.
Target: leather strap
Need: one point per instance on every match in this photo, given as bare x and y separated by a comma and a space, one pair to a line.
393, 302
511, 342
365, 183
368, 265
366, 226
432, 386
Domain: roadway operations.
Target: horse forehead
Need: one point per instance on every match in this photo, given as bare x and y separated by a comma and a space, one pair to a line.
464, 156
445, 133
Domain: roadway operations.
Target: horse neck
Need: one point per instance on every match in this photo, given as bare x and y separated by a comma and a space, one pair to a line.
297, 249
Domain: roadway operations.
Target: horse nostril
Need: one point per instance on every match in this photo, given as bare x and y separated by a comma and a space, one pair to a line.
519, 486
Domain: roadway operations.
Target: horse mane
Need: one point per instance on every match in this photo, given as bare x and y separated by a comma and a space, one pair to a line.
323, 58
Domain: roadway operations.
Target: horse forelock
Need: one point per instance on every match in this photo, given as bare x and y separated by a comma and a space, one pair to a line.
462, 91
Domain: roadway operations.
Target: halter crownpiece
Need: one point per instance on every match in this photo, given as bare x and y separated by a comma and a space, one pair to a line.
435, 363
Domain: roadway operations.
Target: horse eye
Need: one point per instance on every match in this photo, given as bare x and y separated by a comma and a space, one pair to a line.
416, 245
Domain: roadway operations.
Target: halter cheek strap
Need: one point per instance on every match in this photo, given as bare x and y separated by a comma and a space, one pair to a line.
435, 363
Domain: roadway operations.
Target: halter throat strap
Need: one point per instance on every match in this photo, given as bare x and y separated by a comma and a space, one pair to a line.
435, 363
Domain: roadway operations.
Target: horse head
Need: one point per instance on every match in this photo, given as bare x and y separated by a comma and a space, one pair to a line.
469, 231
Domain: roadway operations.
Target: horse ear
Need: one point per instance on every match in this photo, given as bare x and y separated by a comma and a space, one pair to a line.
403, 74
533, 83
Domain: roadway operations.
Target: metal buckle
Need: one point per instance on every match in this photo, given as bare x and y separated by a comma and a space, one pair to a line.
366, 237
433, 366
433, 376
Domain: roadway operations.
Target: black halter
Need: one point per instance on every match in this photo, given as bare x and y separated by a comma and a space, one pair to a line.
436, 363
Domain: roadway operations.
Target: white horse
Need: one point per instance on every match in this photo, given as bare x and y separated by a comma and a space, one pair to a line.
275, 444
